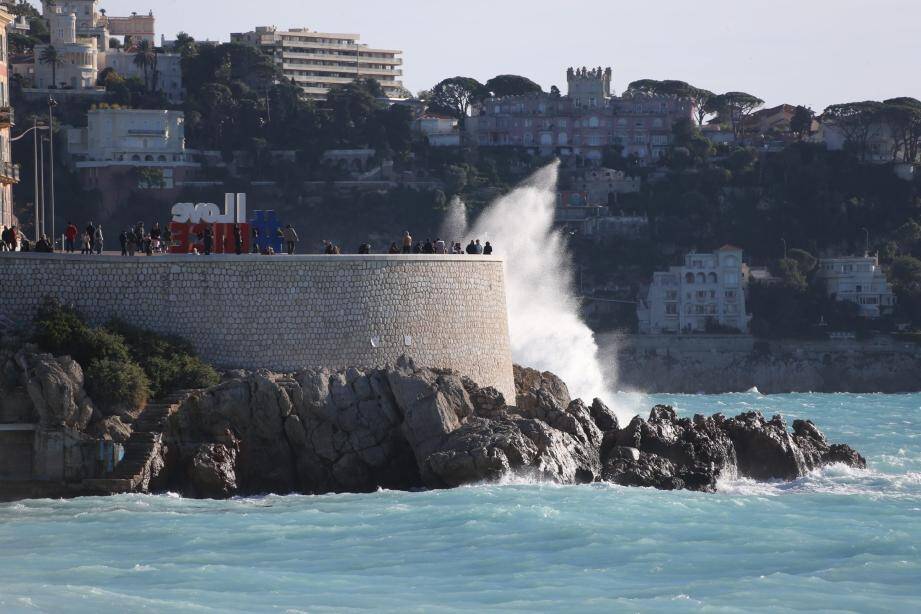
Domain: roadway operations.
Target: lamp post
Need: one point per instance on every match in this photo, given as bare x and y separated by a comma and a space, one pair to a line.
784, 241
41, 231
51, 104
34, 130
867, 231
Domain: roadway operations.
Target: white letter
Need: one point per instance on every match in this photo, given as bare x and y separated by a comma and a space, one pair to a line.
182, 212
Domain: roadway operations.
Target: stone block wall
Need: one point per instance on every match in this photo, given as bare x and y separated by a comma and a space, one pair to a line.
286, 313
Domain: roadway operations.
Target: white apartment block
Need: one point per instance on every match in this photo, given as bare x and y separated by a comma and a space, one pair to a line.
707, 289
859, 280
318, 61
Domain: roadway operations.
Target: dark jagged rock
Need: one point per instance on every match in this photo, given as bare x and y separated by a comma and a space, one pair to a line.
406, 427
528, 382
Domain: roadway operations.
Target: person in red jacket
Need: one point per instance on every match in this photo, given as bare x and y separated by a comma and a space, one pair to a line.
70, 238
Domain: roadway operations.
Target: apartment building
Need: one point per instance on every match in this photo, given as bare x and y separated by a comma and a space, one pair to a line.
318, 61
584, 122
859, 280
9, 172
708, 290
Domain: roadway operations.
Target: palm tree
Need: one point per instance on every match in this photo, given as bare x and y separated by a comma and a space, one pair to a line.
51, 57
146, 59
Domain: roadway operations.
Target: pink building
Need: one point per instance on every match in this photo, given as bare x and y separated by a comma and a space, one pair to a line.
582, 123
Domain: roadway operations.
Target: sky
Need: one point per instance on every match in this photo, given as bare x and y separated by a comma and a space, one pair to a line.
810, 52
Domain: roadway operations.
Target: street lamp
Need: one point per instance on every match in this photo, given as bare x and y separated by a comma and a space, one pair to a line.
867, 252
784, 241
35, 129
51, 104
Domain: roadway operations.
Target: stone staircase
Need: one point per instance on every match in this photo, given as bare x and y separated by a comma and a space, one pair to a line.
134, 472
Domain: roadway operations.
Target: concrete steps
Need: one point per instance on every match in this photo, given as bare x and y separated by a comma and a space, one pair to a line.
131, 474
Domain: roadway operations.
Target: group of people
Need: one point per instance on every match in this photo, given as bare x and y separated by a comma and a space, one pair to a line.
12, 240
438, 246
91, 240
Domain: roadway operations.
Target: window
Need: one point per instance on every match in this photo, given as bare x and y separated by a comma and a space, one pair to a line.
593, 122
701, 278
689, 278
711, 278
671, 309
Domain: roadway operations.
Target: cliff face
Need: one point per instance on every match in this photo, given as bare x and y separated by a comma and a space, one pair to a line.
713, 365
405, 427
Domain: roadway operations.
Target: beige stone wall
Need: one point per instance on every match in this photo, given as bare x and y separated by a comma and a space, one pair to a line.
289, 312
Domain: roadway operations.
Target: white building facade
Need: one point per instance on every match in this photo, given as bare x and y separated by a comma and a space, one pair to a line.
129, 137
318, 61
708, 290
858, 280
80, 35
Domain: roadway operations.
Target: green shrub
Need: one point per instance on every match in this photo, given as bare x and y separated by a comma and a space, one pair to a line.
178, 372
91, 344
116, 386
56, 327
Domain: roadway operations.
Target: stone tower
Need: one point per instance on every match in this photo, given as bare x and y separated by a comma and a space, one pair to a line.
589, 88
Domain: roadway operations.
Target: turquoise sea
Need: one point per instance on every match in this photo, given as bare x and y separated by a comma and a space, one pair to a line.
837, 540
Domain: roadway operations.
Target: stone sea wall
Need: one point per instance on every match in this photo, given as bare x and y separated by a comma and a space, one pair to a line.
286, 313
714, 364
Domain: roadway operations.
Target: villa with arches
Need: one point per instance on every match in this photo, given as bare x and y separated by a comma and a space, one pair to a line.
112, 152
707, 294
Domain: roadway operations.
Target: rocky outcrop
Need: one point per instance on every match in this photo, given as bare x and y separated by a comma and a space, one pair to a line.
405, 427
55, 386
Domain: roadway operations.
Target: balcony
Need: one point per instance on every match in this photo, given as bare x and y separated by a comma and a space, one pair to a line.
6, 117
9, 173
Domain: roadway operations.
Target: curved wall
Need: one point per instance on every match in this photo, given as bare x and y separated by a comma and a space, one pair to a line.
285, 313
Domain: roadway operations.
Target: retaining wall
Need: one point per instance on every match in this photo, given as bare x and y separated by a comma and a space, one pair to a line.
285, 313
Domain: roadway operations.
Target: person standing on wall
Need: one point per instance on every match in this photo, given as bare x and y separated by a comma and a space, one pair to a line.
291, 239
237, 239
70, 237
254, 239
208, 240
91, 231
98, 240
407, 243
123, 242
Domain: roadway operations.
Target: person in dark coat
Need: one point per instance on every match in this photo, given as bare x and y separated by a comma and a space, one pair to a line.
487, 249
237, 239
208, 240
